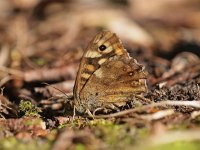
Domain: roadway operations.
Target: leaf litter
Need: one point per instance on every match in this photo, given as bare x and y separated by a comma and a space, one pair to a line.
41, 44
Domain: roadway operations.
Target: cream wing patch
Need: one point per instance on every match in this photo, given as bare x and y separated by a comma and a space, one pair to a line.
99, 73
92, 54
108, 49
101, 61
90, 68
85, 75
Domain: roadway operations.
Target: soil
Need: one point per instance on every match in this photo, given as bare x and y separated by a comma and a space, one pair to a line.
41, 45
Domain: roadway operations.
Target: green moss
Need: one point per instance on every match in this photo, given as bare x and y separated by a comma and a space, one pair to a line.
80, 147
62, 126
116, 136
100, 122
196, 120
180, 145
12, 143
77, 123
142, 133
33, 121
28, 109
39, 61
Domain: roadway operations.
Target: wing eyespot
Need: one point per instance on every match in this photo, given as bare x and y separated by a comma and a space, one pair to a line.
131, 73
102, 47
124, 69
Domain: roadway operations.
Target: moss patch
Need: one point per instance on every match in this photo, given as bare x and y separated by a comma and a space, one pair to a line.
28, 109
180, 145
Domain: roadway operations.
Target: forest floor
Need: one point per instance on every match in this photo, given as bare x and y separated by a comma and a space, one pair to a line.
41, 44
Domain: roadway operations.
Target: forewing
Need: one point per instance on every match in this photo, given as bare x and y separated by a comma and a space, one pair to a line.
94, 57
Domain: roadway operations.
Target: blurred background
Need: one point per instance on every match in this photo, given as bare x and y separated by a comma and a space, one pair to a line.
42, 41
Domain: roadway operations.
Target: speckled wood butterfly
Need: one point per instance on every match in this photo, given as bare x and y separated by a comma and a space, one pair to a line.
108, 77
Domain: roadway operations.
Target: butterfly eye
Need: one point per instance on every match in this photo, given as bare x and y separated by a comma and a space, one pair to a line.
102, 47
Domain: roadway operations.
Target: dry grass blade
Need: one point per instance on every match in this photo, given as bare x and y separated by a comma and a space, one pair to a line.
169, 137
176, 136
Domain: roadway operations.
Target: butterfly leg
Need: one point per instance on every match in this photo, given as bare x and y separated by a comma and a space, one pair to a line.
109, 107
145, 100
89, 113
74, 113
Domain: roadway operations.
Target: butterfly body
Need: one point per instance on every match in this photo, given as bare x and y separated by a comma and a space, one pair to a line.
107, 76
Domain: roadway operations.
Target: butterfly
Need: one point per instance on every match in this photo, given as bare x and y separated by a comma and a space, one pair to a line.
108, 77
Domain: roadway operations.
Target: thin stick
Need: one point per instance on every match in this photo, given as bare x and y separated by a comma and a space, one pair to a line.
12, 71
5, 80
195, 104
157, 115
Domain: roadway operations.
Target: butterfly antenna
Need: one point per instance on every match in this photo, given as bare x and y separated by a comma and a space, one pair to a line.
56, 89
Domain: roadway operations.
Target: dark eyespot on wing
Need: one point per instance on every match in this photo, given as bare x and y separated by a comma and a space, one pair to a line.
102, 47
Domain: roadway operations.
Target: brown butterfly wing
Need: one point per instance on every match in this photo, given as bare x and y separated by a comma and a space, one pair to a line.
104, 46
115, 82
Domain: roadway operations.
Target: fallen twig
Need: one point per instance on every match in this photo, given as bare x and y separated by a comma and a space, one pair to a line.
195, 104
158, 115
12, 71
195, 114
53, 74
185, 74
